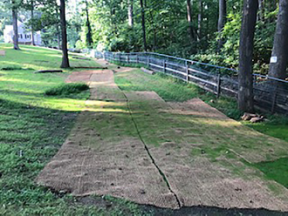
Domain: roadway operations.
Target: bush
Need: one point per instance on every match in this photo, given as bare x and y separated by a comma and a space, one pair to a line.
67, 89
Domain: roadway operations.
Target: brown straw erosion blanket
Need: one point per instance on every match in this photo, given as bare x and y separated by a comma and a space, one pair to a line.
137, 146
185, 137
103, 155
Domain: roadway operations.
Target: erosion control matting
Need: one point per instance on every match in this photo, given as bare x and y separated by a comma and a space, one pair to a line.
136, 146
103, 155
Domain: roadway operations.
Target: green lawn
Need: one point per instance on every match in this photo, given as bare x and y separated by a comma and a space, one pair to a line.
272, 170
36, 58
33, 127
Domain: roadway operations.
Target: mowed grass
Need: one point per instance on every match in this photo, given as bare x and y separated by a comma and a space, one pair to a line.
272, 170
36, 58
171, 89
32, 129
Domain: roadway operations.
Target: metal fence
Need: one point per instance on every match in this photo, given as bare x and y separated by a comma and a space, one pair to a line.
270, 94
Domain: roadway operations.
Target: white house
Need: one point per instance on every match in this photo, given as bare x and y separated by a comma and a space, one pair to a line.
24, 36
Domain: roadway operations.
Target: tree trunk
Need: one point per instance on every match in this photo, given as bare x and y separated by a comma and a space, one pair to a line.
65, 59
274, 4
143, 25
200, 19
89, 30
59, 39
221, 22
15, 26
154, 32
57, 27
207, 27
189, 19
130, 13
261, 10
279, 58
245, 78
32, 18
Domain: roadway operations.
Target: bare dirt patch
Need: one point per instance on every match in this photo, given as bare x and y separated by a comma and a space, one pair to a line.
163, 154
81, 76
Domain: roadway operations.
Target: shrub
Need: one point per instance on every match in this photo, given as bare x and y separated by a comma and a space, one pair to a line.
67, 89
11, 68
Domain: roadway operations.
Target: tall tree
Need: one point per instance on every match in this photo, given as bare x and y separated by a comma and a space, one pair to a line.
261, 10
200, 6
29, 6
65, 59
57, 26
221, 21
279, 58
189, 19
245, 78
143, 25
15, 25
88, 25
130, 13
32, 18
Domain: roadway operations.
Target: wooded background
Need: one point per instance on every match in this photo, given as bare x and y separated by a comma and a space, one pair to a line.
206, 30
242, 35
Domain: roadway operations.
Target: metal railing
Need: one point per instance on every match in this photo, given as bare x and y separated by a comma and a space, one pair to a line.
270, 94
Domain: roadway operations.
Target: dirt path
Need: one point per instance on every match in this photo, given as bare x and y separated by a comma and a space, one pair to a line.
123, 145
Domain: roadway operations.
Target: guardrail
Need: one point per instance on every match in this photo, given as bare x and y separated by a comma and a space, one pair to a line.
270, 94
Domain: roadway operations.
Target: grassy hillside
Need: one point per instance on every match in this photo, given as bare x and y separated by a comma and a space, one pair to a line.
36, 58
33, 126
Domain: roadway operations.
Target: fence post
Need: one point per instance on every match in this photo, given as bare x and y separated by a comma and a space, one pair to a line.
274, 100
218, 85
148, 62
164, 65
128, 59
187, 71
137, 59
